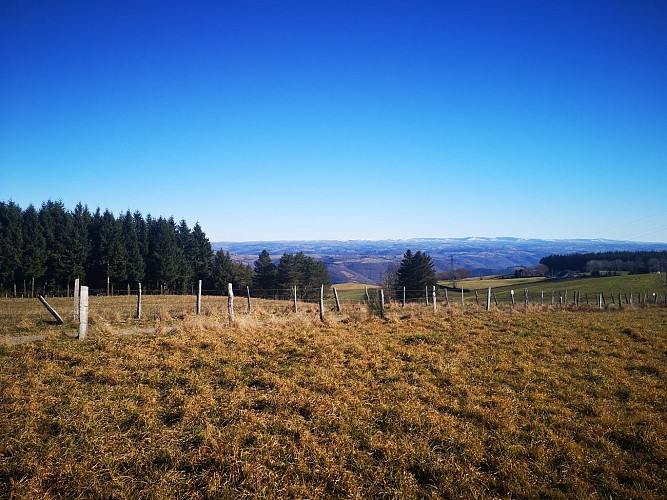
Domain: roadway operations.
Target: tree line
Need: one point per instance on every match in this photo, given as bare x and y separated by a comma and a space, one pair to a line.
633, 262
43, 250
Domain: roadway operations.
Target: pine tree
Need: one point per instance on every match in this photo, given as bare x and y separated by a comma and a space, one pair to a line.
265, 277
415, 273
136, 267
164, 254
201, 256
11, 242
34, 250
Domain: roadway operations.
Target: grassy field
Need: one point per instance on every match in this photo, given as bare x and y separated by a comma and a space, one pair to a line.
483, 284
463, 403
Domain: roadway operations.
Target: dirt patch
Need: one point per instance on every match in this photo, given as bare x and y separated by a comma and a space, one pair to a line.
21, 340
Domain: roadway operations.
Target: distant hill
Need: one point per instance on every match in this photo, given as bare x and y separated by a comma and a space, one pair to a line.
364, 261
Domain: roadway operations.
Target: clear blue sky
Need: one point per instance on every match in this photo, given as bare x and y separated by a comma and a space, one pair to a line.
342, 120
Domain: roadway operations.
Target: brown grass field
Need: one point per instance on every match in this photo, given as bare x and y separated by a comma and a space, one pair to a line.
524, 403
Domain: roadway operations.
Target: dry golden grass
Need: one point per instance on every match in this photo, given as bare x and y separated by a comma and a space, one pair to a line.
525, 403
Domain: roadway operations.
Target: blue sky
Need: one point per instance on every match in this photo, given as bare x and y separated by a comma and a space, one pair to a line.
343, 120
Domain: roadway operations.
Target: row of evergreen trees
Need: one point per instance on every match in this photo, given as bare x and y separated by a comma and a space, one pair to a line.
45, 249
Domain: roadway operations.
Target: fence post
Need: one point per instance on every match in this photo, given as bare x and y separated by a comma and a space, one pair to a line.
476, 298
488, 299
83, 314
295, 307
446, 298
403, 303
247, 289
525, 297
336, 299
76, 299
463, 303
108, 286
368, 298
542, 298
322, 303
620, 304
512, 296
199, 297
139, 301
381, 294
53, 312
230, 303
427, 295
435, 299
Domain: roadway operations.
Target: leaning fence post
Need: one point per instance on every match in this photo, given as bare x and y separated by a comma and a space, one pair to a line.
139, 301
83, 314
322, 303
76, 299
199, 297
336, 299
230, 303
53, 312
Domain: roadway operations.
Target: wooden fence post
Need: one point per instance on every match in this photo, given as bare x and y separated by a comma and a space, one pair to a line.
463, 302
53, 312
230, 303
108, 286
542, 298
512, 296
199, 297
336, 299
76, 299
476, 298
295, 307
525, 297
435, 299
368, 298
322, 303
488, 299
247, 289
83, 314
139, 301
446, 298
381, 294
427, 295
403, 303
620, 304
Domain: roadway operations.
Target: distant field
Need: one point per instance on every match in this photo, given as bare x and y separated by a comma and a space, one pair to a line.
482, 284
524, 403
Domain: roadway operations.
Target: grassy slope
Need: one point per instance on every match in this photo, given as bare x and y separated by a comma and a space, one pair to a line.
535, 403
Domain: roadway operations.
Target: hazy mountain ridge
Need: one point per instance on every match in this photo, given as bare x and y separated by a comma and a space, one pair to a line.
365, 260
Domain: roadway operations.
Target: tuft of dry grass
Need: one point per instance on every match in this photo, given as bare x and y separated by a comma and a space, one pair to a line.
524, 403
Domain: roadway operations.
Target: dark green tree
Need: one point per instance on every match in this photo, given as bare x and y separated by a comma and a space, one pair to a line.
11, 242
201, 256
136, 267
34, 251
415, 273
164, 253
56, 222
265, 279
307, 274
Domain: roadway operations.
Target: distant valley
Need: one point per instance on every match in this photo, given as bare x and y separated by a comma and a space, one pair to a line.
364, 261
